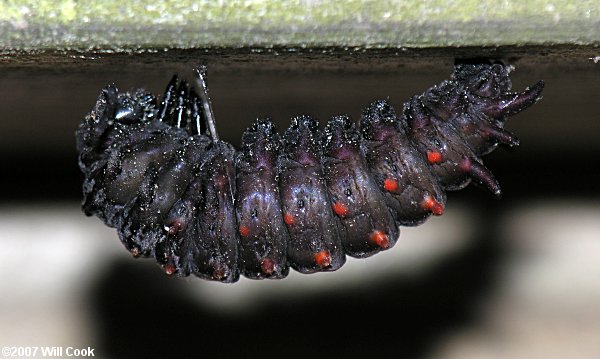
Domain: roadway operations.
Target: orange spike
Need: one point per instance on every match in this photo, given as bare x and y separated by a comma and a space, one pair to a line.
244, 231
434, 206
323, 258
390, 185
434, 157
267, 266
340, 209
288, 219
380, 238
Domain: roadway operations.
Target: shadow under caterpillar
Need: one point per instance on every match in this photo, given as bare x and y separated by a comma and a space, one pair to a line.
158, 172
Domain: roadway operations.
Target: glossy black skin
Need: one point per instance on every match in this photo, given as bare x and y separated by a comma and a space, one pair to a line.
305, 200
258, 204
351, 184
391, 155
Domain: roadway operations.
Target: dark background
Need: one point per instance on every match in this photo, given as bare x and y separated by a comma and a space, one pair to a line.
136, 311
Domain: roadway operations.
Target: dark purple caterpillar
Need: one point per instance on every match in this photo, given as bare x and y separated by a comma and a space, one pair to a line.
159, 174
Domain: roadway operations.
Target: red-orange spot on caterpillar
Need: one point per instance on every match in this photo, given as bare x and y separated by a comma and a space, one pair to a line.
390, 185
288, 219
434, 206
380, 238
170, 268
323, 258
340, 209
267, 266
434, 157
244, 231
